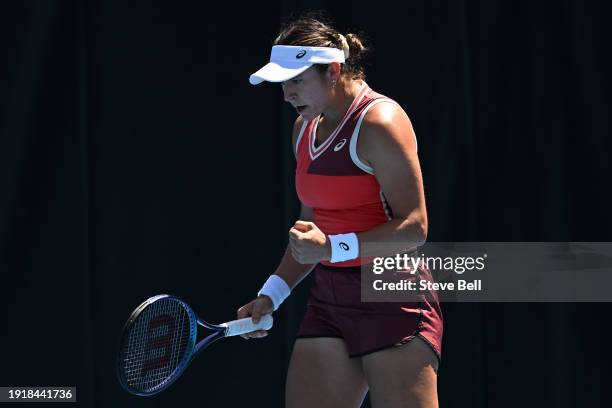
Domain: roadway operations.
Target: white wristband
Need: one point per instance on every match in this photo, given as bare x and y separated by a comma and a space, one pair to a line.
344, 247
276, 289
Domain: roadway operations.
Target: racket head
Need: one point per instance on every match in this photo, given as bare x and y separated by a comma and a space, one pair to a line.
156, 345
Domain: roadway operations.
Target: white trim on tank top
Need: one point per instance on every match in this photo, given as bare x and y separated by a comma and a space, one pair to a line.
355, 136
315, 152
297, 143
385, 204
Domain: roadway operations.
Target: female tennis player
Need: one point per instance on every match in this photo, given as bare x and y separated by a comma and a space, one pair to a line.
358, 179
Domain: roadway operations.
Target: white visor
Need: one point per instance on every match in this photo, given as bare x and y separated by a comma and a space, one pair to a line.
288, 61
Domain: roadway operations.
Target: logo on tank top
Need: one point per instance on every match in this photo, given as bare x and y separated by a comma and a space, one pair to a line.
301, 54
340, 145
344, 246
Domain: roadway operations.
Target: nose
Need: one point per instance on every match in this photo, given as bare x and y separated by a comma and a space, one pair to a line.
288, 92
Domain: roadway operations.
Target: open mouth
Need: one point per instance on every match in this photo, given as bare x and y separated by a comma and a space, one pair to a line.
300, 108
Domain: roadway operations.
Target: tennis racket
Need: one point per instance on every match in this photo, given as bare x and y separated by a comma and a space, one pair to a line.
159, 342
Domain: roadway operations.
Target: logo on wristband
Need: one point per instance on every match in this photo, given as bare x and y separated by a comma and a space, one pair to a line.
344, 247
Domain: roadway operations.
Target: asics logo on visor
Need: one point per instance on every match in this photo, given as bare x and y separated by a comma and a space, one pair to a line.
301, 54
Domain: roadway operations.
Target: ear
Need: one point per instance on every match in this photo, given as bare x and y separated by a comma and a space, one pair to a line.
333, 71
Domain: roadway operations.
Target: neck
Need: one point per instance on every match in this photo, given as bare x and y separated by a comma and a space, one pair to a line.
344, 94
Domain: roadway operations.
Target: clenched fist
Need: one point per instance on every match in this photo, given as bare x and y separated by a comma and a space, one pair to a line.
308, 244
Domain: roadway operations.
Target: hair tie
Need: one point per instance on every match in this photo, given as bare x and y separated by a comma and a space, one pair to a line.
345, 46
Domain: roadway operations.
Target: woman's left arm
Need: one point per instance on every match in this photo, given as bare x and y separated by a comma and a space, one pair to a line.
387, 143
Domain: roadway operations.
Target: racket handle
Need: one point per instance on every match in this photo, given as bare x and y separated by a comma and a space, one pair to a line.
246, 325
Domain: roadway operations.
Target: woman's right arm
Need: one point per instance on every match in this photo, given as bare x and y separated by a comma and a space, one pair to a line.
289, 270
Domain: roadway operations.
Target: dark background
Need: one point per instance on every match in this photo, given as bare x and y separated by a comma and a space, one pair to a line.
136, 159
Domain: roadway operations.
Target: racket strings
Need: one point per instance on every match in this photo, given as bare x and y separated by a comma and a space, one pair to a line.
156, 344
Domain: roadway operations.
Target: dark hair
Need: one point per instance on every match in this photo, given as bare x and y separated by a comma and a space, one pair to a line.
314, 30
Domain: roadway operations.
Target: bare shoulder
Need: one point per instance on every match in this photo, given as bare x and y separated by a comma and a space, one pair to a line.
385, 131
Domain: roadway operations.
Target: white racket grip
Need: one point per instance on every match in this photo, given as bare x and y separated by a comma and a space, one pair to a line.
246, 325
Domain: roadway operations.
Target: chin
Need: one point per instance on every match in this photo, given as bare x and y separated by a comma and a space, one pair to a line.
309, 115
306, 116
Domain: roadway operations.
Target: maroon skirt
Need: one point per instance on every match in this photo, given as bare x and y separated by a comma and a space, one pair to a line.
335, 309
